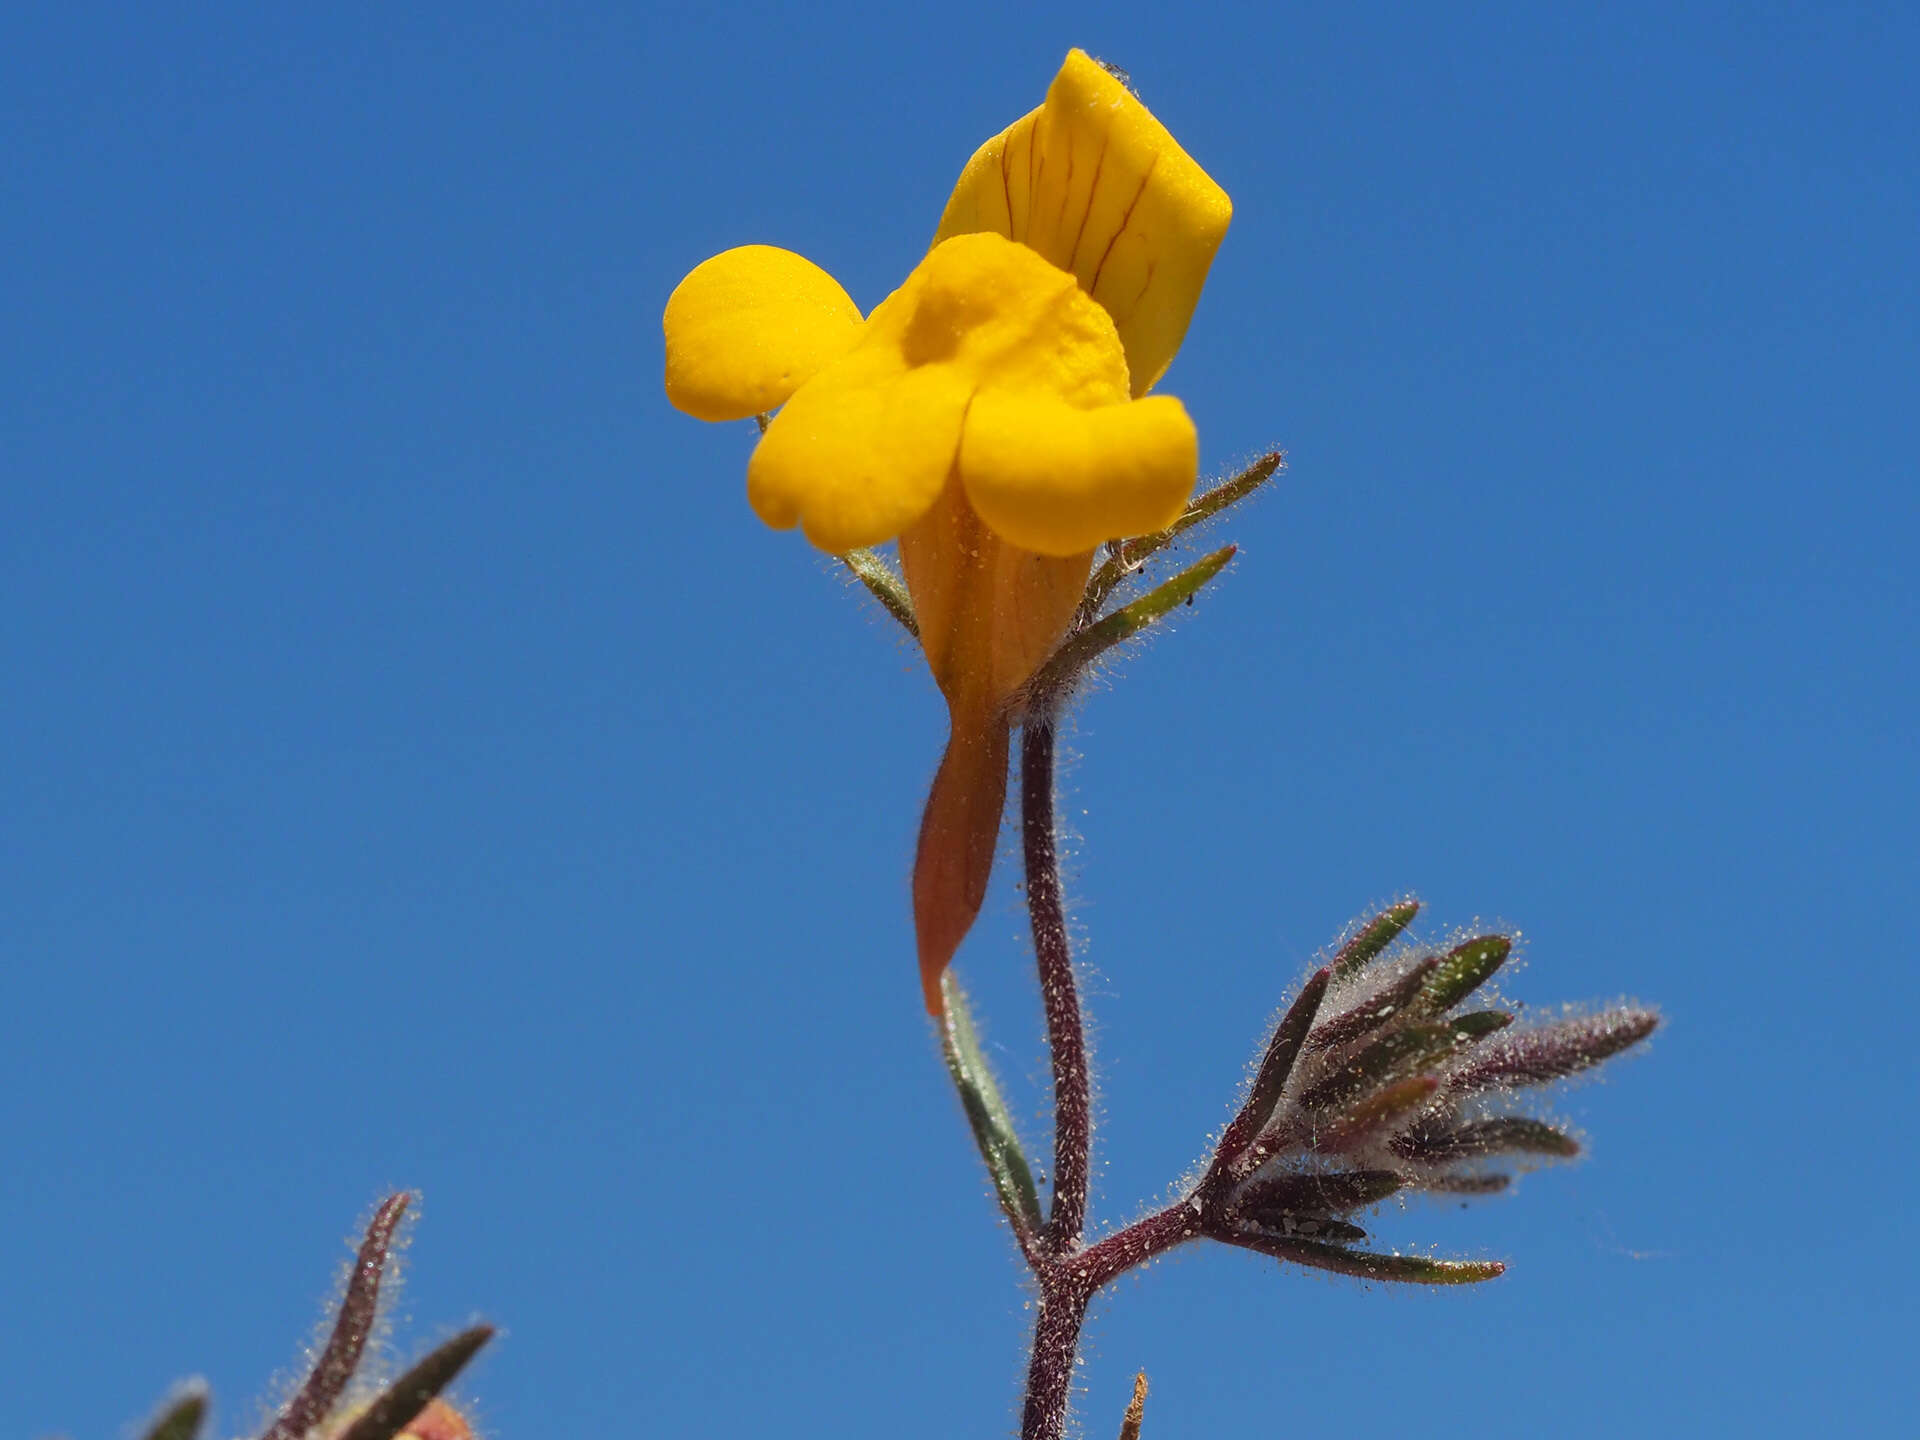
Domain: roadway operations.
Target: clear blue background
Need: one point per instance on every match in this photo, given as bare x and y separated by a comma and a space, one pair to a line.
417, 768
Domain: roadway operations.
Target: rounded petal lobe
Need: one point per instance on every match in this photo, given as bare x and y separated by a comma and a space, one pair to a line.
749, 327
1095, 184
1058, 480
1006, 317
860, 452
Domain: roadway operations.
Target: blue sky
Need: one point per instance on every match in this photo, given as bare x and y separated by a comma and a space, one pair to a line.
421, 770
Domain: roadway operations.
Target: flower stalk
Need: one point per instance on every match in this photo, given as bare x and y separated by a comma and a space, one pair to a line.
992, 418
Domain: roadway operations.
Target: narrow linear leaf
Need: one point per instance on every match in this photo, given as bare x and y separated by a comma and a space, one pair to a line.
182, 1414
1275, 1068
1136, 1409
1404, 1269
1463, 970
1336, 1193
1554, 1052
1086, 645
1371, 1013
1507, 1135
1373, 938
1129, 555
1375, 1113
340, 1357
401, 1403
1393, 1057
1479, 1024
1285, 1225
987, 1113
885, 585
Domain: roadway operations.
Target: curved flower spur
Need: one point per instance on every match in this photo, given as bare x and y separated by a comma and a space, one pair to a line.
992, 417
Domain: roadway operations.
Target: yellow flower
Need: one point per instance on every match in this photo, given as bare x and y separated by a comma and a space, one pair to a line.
988, 415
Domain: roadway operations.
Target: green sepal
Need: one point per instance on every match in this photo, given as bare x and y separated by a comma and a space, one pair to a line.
1086, 645
1126, 557
883, 582
181, 1416
1463, 970
987, 1112
400, 1404
1373, 938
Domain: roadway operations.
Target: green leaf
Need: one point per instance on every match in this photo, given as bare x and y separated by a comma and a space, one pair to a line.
1373, 938
1389, 1001
1505, 1135
1479, 1024
181, 1416
400, 1404
1126, 558
885, 585
1393, 1057
1275, 1067
1403, 1269
1086, 645
1318, 1193
1384, 1107
1463, 970
987, 1113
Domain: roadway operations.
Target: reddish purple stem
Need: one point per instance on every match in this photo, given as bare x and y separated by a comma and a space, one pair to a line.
1066, 1030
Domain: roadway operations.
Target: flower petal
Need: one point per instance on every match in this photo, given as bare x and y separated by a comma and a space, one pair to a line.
1096, 185
1059, 480
990, 612
860, 452
1006, 317
751, 326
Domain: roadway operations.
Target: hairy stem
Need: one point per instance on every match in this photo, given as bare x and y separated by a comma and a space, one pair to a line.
1069, 1272
1066, 1030
1142, 1241
1056, 1343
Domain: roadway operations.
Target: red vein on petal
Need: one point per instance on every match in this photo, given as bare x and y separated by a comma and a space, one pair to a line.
1125, 218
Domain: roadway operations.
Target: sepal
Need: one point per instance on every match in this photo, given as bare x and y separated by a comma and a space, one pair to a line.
885, 584
1088, 644
1125, 557
987, 1113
